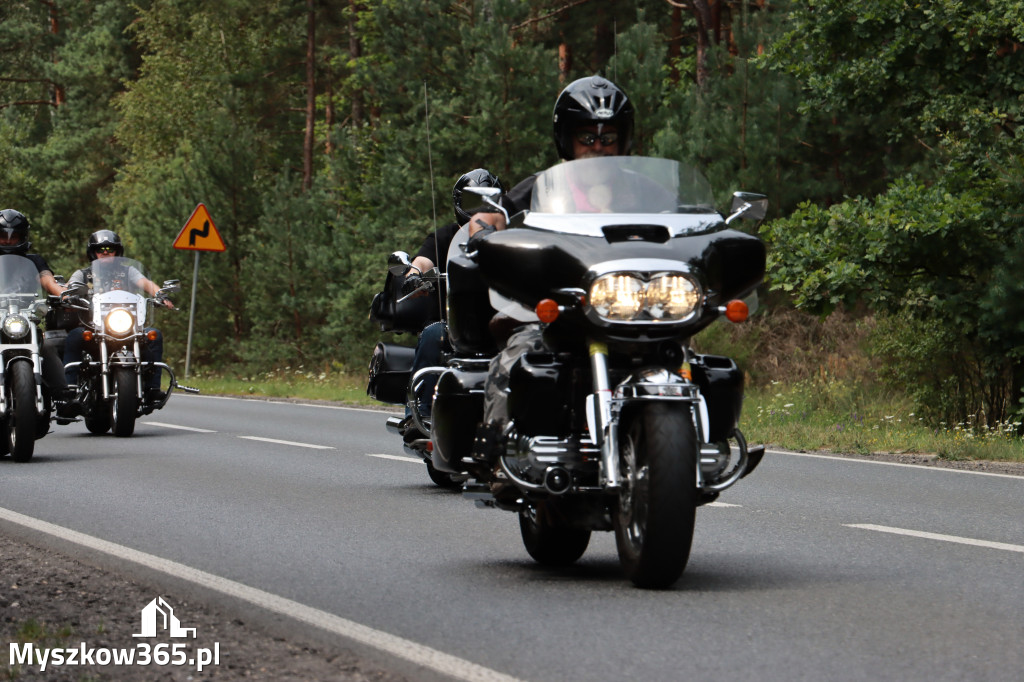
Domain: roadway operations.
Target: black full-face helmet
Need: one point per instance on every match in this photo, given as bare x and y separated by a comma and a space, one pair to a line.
13, 232
478, 177
592, 101
104, 239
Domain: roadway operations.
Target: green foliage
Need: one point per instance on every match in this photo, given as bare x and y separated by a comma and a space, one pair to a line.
885, 134
939, 86
58, 76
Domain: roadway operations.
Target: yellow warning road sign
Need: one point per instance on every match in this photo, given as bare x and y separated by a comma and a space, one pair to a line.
199, 233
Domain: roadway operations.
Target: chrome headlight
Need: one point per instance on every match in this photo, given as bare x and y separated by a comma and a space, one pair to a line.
119, 322
629, 297
671, 297
16, 326
617, 296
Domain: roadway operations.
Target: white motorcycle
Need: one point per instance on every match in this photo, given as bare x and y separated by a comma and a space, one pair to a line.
25, 403
112, 373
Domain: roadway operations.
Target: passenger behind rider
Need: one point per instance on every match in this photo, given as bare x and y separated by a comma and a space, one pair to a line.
432, 340
107, 244
14, 229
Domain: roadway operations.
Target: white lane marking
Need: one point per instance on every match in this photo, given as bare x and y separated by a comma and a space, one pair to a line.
892, 464
419, 654
178, 426
397, 457
937, 536
288, 442
721, 504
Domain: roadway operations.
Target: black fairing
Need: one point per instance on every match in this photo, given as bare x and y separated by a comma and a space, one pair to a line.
528, 265
469, 308
409, 316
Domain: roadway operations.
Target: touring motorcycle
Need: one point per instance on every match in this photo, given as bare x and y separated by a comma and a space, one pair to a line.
612, 422
400, 309
25, 402
112, 374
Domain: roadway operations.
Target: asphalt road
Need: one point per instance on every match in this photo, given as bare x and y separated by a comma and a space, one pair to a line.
810, 569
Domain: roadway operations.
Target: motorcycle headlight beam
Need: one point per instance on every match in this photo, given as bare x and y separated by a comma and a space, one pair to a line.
119, 322
671, 297
617, 296
636, 297
16, 326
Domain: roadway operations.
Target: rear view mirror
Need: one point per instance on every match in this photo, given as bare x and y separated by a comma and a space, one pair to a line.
481, 200
747, 205
399, 263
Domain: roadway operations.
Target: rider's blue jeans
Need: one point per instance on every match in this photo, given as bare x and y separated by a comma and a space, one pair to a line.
428, 354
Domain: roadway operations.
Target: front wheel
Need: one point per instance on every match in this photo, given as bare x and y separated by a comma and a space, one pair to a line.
549, 541
125, 407
21, 424
658, 501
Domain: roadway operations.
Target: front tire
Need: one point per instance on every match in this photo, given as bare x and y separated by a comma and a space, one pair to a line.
21, 424
125, 407
549, 542
98, 424
658, 502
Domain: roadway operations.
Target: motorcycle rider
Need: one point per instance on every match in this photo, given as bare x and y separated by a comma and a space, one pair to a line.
592, 117
107, 244
14, 227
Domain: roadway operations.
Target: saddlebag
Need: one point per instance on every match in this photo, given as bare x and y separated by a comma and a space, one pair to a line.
721, 384
458, 408
390, 371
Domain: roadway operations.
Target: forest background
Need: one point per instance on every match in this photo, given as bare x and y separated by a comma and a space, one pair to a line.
323, 134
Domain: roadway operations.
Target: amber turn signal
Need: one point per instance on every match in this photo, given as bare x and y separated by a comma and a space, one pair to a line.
87, 335
547, 310
736, 311
151, 335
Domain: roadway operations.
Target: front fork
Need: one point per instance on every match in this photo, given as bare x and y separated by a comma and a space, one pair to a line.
605, 407
105, 368
604, 428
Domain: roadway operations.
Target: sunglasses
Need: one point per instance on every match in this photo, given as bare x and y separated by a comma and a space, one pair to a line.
587, 138
106, 249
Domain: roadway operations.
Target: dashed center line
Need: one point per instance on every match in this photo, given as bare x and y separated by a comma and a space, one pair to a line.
938, 536
396, 457
178, 426
288, 442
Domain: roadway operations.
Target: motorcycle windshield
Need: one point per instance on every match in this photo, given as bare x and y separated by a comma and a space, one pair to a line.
632, 185
118, 274
19, 278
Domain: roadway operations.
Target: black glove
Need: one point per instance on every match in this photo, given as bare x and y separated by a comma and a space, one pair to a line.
411, 283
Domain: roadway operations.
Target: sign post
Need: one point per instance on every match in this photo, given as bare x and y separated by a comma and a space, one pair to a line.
199, 234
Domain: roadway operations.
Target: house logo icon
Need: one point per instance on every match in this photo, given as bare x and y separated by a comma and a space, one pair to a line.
158, 613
